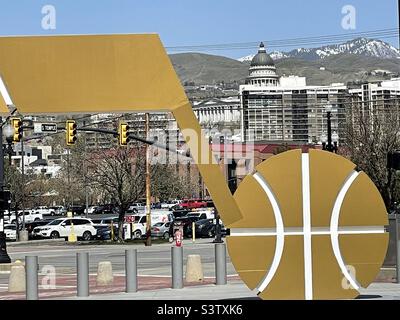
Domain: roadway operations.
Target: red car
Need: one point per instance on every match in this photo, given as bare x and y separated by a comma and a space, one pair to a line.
193, 204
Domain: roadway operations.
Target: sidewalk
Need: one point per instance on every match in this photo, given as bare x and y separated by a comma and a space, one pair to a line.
235, 289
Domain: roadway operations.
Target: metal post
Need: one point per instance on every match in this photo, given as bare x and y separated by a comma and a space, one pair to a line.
69, 182
4, 257
330, 147
148, 200
131, 270
220, 263
82, 259
86, 181
397, 249
31, 269
177, 267
23, 183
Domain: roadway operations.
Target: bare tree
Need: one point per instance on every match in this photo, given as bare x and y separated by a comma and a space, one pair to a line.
372, 132
121, 173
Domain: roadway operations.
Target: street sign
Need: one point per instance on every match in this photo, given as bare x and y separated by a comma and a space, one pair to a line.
44, 127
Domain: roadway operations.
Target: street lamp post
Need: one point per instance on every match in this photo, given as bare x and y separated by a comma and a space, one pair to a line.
327, 144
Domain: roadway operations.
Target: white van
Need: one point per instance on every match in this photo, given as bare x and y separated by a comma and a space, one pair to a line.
139, 224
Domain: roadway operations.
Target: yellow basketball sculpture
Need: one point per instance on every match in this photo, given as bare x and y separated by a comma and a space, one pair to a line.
295, 234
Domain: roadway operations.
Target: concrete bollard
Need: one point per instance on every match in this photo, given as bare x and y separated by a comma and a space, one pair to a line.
16, 282
194, 269
23, 235
104, 273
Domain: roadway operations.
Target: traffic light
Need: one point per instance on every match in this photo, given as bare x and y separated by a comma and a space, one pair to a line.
16, 124
70, 130
123, 134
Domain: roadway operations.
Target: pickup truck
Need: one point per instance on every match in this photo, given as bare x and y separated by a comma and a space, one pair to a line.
193, 204
30, 216
45, 211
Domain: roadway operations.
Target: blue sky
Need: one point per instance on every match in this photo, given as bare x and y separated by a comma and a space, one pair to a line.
187, 22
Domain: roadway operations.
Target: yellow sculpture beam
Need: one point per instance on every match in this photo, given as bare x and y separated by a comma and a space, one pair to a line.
107, 73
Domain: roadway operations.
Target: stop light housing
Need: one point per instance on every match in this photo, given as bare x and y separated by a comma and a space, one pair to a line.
70, 130
16, 124
123, 134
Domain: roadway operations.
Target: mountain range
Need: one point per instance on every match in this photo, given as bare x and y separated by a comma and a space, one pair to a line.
360, 46
357, 60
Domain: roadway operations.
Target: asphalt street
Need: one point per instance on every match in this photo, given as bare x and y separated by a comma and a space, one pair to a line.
152, 261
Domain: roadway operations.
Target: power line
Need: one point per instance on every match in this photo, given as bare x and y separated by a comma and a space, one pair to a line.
291, 42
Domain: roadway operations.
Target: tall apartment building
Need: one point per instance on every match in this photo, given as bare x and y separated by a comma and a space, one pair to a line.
377, 97
278, 109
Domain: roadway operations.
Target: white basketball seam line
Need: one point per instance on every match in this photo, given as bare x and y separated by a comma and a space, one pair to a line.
305, 183
259, 232
334, 227
280, 236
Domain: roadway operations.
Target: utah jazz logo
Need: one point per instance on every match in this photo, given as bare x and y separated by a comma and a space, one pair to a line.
295, 232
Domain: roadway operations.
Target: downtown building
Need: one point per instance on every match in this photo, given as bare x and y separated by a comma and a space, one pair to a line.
286, 109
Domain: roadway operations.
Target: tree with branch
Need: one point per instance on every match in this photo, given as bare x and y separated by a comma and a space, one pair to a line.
372, 132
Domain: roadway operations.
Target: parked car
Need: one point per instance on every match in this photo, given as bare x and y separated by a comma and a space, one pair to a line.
104, 231
77, 210
10, 231
179, 213
61, 228
105, 208
206, 228
161, 230
186, 223
193, 204
156, 205
58, 210
32, 225
170, 204
139, 206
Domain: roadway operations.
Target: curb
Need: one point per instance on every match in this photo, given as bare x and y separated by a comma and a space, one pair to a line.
35, 242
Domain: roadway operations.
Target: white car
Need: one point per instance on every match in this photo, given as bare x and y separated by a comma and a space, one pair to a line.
62, 228
10, 231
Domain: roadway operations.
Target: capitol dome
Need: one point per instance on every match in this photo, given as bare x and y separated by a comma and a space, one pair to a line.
262, 71
262, 58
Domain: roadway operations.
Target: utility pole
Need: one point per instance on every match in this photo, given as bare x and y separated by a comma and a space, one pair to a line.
69, 182
86, 182
4, 257
23, 183
148, 203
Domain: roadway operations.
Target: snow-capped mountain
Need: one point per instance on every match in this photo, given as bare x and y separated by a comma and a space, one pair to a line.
359, 46
247, 58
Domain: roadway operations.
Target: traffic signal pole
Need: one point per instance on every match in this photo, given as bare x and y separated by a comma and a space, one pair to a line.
148, 195
4, 257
